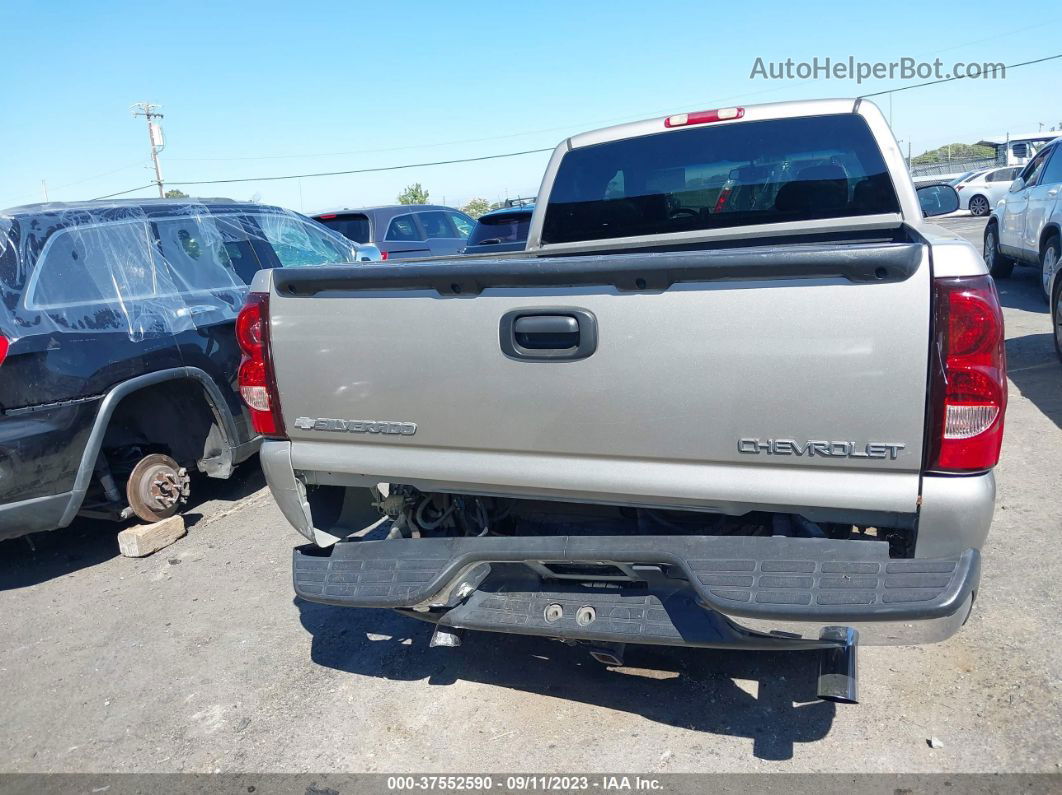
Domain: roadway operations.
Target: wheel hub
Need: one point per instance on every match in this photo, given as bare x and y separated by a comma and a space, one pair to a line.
157, 487
1050, 264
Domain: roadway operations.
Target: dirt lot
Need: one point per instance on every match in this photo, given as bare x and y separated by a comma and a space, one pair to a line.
200, 659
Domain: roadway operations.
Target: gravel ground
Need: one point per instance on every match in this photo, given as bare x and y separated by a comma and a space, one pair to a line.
199, 659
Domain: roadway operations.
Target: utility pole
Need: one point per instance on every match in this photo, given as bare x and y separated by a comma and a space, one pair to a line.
151, 112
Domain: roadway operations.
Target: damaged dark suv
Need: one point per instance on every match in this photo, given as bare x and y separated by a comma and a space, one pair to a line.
118, 357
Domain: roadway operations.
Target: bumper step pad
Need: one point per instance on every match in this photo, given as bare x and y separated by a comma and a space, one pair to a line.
781, 578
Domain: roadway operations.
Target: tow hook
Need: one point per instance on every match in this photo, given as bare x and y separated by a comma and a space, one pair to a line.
838, 671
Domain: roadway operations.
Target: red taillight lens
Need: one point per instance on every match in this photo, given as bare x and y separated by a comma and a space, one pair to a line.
3, 348
258, 387
383, 255
969, 384
720, 202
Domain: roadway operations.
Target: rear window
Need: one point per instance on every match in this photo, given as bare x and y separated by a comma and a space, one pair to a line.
502, 228
719, 176
352, 227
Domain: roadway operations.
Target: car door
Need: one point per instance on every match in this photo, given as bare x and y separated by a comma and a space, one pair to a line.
109, 307
999, 183
1012, 219
403, 237
440, 233
1042, 197
464, 225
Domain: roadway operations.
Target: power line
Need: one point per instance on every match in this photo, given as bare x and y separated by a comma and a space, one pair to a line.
276, 178
96, 176
123, 192
960, 77
365, 170
583, 125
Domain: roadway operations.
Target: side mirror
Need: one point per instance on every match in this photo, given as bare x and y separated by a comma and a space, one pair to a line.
1017, 185
366, 252
937, 200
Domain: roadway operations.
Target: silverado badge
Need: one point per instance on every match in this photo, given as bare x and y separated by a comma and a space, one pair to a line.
356, 426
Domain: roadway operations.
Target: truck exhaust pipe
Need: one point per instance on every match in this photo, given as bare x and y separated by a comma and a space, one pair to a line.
838, 671
610, 654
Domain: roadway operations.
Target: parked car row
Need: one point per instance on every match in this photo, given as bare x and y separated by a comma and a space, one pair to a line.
118, 357
403, 231
427, 230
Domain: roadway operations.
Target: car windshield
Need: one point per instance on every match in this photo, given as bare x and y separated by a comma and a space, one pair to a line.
501, 228
708, 177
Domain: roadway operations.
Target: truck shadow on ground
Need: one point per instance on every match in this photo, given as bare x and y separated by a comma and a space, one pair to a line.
1021, 290
768, 697
1034, 369
1032, 364
88, 542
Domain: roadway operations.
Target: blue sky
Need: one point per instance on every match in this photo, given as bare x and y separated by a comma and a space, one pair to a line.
281, 88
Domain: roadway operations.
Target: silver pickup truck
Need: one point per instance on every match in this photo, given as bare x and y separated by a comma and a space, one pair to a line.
735, 393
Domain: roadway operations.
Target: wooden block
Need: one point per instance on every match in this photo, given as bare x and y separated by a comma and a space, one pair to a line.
136, 542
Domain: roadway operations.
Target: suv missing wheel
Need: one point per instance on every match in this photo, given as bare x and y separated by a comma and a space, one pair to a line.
118, 357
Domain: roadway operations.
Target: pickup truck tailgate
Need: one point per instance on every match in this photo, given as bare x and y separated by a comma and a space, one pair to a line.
774, 377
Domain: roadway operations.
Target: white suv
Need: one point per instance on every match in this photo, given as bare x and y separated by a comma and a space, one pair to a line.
1024, 228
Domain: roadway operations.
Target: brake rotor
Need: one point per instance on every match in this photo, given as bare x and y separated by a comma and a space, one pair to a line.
157, 487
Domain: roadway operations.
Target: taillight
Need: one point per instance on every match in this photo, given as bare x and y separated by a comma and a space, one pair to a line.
383, 255
720, 203
4, 344
258, 387
968, 390
703, 117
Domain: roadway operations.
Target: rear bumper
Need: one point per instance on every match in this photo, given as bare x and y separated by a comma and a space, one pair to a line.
676, 590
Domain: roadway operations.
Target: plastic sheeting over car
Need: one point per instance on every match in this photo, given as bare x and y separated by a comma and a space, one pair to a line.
145, 268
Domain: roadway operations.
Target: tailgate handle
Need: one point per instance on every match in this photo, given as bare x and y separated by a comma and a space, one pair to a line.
548, 334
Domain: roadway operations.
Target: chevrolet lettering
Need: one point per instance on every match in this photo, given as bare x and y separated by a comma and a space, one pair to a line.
813, 448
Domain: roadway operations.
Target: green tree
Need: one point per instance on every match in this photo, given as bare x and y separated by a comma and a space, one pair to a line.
413, 194
952, 152
476, 207
173, 193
